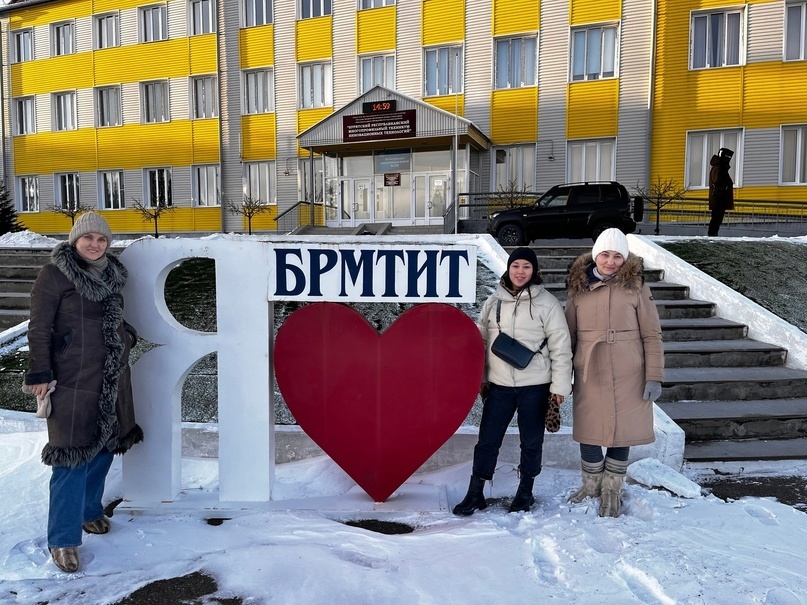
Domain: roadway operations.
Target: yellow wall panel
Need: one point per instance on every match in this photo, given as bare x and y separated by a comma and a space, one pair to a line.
315, 39
68, 72
592, 109
515, 16
375, 30
153, 61
774, 94
138, 145
514, 115
449, 103
257, 46
206, 146
203, 54
180, 219
586, 11
259, 141
443, 21
47, 152
50, 12
306, 118
263, 222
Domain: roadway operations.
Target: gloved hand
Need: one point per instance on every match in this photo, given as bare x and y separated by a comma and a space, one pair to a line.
652, 390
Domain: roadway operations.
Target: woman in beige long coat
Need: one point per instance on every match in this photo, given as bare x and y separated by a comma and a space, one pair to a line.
618, 364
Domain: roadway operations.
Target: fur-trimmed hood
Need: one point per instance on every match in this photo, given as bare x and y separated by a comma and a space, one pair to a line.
629, 276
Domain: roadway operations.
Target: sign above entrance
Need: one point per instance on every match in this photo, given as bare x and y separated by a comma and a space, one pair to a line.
385, 125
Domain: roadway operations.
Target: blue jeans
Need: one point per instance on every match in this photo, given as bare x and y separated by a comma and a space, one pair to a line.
75, 498
502, 403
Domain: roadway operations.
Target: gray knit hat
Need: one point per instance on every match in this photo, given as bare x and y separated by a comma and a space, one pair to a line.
89, 222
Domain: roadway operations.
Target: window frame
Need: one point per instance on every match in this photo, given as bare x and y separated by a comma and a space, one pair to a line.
211, 14
800, 158
144, 106
120, 186
196, 185
724, 12
509, 151
249, 17
325, 8
167, 182
522, 62
30, 128
22, 198
146, 34
602, 73
599, 142
246, 88
387, 57
370, 4
213, 90
736, 165
60, 124
56, 40
72, 183
98, 94
452, 79
17, 35
326, 82
271, 175
802, 54
97, 30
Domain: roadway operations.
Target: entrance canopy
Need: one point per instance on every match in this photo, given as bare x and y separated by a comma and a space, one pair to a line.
382, 118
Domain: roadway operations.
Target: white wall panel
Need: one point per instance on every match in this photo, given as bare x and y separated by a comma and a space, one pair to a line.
765, 29
181, 186
128, 26
42, 41
344, 52
130, 102
88, 182
133, 188
43, 113
85, 106
83, 31
478, 73
179, 89
177, 19
46, 198
761, 156
409, 56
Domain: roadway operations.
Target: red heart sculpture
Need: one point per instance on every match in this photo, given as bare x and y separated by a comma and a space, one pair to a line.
379, 404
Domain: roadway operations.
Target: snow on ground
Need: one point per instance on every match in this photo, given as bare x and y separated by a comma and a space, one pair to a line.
662, 550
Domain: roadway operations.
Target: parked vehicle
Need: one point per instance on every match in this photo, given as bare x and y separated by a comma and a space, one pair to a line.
568, 210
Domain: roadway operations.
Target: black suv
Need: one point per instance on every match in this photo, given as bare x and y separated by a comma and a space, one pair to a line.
568, 210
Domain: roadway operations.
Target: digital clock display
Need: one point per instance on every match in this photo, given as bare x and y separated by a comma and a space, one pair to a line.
378, 106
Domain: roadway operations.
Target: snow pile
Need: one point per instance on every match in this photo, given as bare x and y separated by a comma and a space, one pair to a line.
23, 239
652, 473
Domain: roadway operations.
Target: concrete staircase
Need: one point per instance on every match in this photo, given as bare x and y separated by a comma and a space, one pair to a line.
18, 270
733, 396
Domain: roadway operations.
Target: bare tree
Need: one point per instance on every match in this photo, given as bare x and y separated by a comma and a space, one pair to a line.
661, 193
248, 209
511, 196
153, 213
71, 211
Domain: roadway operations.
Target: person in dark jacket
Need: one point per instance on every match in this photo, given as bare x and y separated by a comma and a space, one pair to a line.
721, 188
77, 338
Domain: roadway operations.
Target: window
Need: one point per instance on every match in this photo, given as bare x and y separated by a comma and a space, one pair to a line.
106, 31
314, 8
22, 45
593, 53
259, 182
205, 186
28, 191
107, 106
515, 165
515, 62
155, 102
378, 70
796, 31
259, 95
376, 3
443, 71
67, 191
158, 187
203, 17
25, 118
205, 97
316, 85
64, 111
110, 189
715, 39
794, 154
62, 39
701, 146
153, 23
591, 160
257, 12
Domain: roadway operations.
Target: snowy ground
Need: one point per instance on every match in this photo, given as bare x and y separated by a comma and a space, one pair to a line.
664, 549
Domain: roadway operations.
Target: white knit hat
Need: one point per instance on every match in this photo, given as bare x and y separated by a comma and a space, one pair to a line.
90, 222
611, 239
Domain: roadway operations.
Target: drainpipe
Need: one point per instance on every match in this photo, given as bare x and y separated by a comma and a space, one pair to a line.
651, 88
3, 117
313, 180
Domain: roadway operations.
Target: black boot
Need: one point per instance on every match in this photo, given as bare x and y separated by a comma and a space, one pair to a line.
474, 499
523, 499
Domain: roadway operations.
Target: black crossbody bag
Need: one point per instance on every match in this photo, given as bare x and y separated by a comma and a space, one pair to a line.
509, 349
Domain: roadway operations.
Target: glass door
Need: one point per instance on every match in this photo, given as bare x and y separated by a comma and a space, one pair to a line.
349, 201
429, 195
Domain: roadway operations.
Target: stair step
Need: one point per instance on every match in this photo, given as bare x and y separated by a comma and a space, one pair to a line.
10, 318
713, 384
571, 250
685, 309
722, 354
558, 275
750, 449
17, 256
16, 285
661, 290
19, 271
708, 328
15, 300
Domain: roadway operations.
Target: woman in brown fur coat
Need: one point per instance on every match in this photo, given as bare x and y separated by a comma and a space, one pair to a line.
618, 364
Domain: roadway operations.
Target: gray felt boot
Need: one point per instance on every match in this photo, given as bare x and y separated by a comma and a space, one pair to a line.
592, 480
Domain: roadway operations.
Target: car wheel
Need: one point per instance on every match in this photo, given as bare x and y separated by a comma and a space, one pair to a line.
510, 235
599, 228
